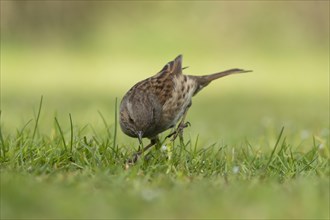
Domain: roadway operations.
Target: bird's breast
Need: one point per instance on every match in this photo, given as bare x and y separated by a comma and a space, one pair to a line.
179, 100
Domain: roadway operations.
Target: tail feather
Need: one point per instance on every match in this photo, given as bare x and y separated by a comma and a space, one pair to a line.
211, 77
203, 81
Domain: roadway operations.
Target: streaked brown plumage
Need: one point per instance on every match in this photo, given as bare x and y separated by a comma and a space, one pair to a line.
156, 104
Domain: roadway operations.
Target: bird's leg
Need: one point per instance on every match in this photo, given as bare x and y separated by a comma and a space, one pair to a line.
179, 130
136, 156
140, 140
184, 125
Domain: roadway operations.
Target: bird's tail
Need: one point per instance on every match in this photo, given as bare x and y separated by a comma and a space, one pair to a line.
211, 77
203, 81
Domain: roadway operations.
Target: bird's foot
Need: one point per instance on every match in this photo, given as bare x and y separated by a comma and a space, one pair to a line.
132, 160
179, 131
140, 152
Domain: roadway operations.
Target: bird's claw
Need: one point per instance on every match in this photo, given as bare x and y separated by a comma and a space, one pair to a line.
179, 131
187, 124
132, 161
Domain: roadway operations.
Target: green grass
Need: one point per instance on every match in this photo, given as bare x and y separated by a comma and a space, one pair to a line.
258, 146
79, 172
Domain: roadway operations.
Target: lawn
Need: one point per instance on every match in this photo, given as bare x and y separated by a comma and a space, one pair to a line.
258, 144
79, 171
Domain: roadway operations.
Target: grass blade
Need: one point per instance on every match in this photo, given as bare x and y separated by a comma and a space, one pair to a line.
2, 140
71, 129
37, 119
276, 144
115, 129
105, 123
61, 133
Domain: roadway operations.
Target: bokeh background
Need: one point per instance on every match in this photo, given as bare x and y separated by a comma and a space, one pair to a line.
81, 55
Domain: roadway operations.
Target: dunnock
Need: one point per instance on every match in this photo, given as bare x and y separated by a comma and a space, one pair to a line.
156, 104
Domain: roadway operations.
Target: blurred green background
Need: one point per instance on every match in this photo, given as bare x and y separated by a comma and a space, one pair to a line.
81, 55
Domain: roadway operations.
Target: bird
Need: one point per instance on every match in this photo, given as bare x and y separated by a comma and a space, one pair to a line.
159, 102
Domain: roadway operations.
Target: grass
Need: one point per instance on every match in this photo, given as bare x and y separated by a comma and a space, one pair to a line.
258, 147
79, 172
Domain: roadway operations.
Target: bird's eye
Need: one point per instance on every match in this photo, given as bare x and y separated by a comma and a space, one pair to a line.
130, 119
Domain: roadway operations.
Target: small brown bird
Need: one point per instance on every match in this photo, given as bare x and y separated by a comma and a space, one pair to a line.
156, 104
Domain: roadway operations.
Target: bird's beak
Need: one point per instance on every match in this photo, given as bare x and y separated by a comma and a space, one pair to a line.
139, 133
